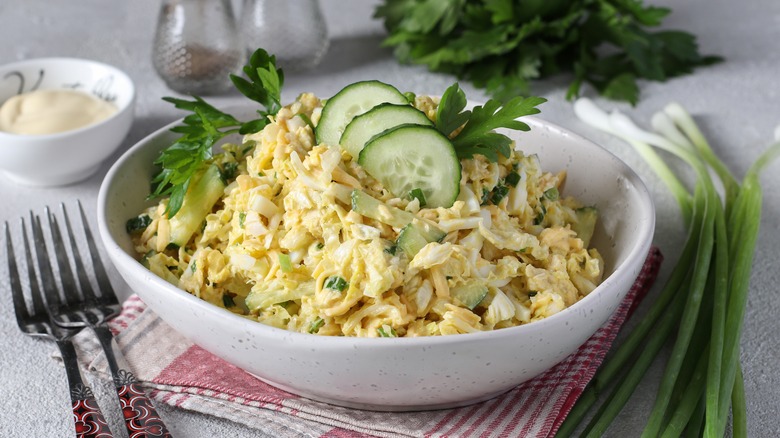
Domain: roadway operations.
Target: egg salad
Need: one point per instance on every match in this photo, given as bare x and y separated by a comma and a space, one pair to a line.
301, 236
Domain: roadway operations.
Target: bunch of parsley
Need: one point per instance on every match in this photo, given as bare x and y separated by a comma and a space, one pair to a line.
502, 45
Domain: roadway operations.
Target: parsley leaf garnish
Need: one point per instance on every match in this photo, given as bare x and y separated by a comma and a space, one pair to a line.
477, 135
202, 129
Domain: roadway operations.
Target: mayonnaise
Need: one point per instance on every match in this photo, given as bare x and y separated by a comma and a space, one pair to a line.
51, 111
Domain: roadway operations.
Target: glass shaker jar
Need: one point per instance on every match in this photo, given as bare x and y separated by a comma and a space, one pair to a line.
293, 30
197, 46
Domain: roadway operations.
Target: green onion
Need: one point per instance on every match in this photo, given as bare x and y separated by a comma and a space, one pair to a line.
386, 331
552, 194
241, 218
512, 179
702, 378
336, 283
316, 324
498, 193
227, 301
137, 224
284, 262
418, 195
485, 196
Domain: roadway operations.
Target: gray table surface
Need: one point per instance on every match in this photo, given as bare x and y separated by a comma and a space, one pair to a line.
737, 104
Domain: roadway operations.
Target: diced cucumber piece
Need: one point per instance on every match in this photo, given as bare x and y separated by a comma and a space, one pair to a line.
411, 240
411, 157
470, 294
369, 206
351, 101
586, 224
416, 235
204, 191
413, 230
378, 119
429, 232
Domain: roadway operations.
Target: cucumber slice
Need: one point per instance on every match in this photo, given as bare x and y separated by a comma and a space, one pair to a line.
470, 294
411, 157
379, 118
351, 101
586, 224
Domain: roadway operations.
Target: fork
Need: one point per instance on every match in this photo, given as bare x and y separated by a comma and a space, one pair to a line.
36, 321
82, 307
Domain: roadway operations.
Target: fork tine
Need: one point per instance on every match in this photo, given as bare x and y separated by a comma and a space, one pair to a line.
83, 279
47, 277
106, 290
20, 307
69, 286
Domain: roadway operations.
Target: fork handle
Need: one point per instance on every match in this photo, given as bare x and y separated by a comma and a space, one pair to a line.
141, 418
88, 418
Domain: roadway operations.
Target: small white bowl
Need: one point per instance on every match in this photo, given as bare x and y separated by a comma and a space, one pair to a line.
403, 373
71, 156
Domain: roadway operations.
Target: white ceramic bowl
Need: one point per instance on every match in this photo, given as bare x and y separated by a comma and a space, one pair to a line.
402, 373
66, 157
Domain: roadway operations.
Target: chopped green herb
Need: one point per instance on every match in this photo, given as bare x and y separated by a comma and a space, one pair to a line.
386, 331
552, 194
532, 293
485, 196
284, 262
261, 173
504, 45
316, 324
418, 195
194, 265
228, 172
498, 194
336, 283
392, 249
241, 218
320, 245
512, 179
137, 224
227, 300
248, 146
539, 218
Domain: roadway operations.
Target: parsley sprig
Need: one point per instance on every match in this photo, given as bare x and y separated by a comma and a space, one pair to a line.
477, 135
503, 45
206, 125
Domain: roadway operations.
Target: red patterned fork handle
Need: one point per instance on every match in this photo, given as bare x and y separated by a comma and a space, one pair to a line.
141, 418
87, 417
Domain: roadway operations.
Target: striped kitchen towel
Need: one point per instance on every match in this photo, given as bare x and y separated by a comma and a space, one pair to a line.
179, 373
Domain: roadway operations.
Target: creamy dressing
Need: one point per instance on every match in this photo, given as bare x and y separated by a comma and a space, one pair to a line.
51, 111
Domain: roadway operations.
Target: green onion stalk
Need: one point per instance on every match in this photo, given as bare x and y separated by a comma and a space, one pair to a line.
704, 297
